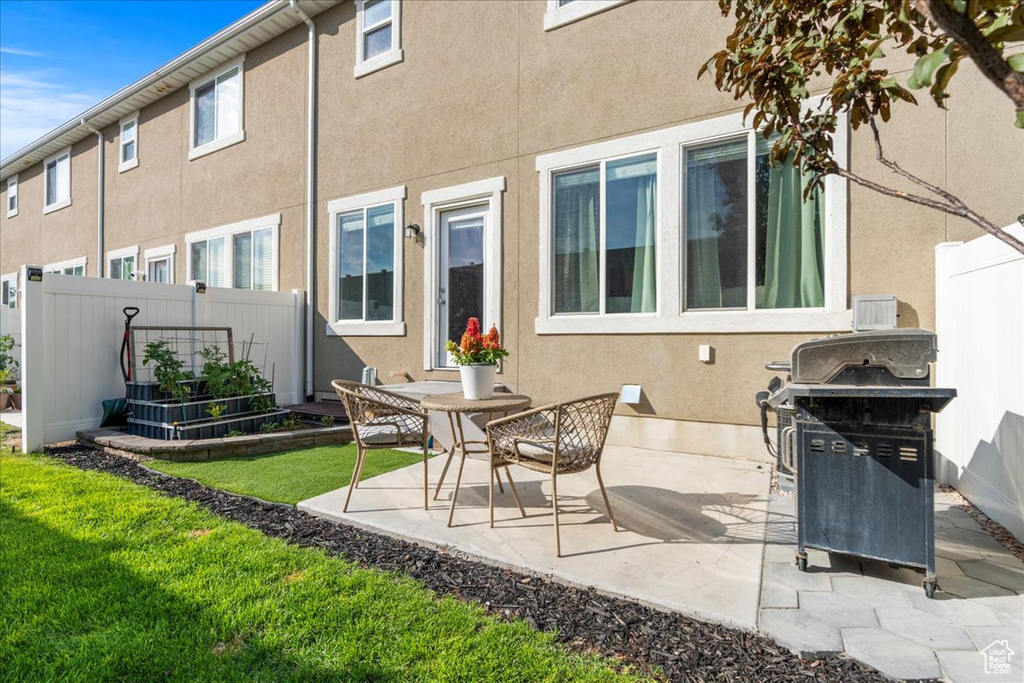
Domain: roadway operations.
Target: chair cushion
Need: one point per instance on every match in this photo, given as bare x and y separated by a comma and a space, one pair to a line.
382, 435
541, 452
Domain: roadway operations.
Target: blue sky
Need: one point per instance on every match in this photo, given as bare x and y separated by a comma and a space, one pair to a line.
58, 58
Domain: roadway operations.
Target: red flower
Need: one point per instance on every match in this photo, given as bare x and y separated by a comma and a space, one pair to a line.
473, 327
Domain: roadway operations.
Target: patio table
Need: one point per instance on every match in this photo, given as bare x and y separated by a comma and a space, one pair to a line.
454, 405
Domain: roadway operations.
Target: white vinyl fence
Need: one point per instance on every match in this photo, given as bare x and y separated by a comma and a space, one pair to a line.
72, 329
10, 322
979, 311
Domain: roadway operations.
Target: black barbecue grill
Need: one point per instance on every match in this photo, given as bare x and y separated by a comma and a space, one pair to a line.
854, 429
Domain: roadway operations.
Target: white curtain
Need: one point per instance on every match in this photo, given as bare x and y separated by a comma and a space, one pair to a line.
577, 240
644, 266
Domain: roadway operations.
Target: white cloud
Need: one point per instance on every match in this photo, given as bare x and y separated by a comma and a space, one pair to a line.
32, 103
19, 52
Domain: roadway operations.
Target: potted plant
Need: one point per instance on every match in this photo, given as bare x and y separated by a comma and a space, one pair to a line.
477, 356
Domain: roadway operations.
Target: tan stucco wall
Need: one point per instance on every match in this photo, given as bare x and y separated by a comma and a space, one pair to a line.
483, 101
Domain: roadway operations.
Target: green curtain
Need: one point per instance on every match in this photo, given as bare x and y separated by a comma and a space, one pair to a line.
644, 267
793, 243
577, 237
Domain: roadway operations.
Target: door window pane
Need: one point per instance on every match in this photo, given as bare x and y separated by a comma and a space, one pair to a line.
716, 226
790, 268
380, 262
577, 215
465, 274
631, 235
350, 266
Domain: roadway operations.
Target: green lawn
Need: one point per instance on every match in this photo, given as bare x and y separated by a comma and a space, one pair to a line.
290, 476
103, 580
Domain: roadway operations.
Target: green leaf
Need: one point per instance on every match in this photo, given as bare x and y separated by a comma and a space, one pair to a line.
926, 66
1016, 62
1020, 119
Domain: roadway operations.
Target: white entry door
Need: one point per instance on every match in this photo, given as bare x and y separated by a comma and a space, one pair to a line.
461, 291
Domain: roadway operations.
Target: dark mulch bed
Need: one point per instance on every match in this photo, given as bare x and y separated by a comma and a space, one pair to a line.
684, 649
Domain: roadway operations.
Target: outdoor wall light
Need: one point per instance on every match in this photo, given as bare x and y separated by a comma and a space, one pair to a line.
412, 231
200, 287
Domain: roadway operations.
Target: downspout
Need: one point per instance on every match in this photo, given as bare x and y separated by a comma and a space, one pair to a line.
310, 195
100, 260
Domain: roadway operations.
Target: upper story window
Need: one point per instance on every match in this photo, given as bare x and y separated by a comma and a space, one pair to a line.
366, 263
128, 158
122, 263
241, 255
217, 109
57, 181
12, 196
689, 229
379, 38
562, 12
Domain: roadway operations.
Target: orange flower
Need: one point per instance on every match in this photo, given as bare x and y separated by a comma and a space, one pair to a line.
494, 338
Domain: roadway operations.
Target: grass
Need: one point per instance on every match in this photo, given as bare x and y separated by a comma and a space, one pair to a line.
290, 476
103, 580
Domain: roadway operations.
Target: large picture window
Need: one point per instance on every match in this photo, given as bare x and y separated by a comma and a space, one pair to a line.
366, 253
606, 266
690, 229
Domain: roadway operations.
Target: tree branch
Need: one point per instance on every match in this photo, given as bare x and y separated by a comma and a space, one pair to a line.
969, 38
896, 168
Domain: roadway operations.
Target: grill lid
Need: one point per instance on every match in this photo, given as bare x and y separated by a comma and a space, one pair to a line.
905, 353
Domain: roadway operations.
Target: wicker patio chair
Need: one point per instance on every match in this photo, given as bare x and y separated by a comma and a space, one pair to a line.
562, 438
381, 419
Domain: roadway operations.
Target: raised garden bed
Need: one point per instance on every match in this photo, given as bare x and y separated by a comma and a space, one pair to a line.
246, 422
169, 411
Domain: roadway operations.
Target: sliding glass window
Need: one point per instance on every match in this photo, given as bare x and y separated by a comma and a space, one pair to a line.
366, 264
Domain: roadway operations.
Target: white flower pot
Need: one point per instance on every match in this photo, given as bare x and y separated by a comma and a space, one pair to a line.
478, 380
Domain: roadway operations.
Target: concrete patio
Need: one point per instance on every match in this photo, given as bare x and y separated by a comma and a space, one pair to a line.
704, 536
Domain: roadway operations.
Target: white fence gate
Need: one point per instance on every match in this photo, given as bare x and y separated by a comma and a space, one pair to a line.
72, 328
979, 312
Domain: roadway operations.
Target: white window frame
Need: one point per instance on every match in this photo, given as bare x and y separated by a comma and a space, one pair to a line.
228, 232
123, 166
70, 263
60, 203
12, 288
385, 59
580, 9
435, 202
12, 191
372, 328
195, 152
120, 254
159, 254
670, 317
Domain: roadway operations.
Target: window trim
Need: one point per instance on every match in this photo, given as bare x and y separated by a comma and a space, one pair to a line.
123, 166
395, 55
670, 316
160, 253
195, 152
556, 16
363, 328
434, 202
60, 203
13, 181
70, 263
120, 254
228, 231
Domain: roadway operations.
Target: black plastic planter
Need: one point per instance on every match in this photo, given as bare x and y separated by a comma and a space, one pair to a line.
247, 423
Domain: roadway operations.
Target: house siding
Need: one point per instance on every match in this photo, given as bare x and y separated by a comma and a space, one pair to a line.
482, 91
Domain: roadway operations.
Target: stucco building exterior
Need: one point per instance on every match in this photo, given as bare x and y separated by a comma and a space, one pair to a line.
570, 178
